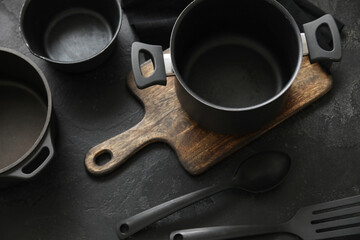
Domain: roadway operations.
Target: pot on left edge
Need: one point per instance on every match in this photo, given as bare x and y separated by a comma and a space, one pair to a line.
26, 134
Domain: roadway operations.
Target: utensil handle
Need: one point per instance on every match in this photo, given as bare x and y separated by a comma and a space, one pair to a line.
159, 75
135, 223
316, 52
110, 154
225, 232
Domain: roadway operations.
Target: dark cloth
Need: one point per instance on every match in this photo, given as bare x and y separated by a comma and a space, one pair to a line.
153, 20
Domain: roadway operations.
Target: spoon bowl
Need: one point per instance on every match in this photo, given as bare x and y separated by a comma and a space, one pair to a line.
262, 172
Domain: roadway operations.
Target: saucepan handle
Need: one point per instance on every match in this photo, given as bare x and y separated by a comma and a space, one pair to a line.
37, 161
159, 75
316, 52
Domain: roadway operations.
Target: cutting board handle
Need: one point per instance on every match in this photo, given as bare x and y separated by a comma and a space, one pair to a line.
110, 154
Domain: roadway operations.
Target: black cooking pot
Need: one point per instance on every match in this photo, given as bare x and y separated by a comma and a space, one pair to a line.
26, 144
73, 36
235, 60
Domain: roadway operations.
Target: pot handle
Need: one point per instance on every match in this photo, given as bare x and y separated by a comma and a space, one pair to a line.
37, 161
159, 75
317, 53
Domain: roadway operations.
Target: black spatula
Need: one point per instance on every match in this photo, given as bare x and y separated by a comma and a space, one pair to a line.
321, 221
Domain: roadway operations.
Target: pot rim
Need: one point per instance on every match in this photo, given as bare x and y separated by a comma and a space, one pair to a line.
286, 15
48, 114
22, 13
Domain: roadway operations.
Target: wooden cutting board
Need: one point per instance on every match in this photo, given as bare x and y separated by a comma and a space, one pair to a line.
197, 149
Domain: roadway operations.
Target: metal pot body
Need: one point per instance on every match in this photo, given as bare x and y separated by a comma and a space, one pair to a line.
73, 36
26, 133
235, 61
224, 121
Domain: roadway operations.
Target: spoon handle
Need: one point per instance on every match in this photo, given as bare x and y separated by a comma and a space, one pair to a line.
225, 232
135, 223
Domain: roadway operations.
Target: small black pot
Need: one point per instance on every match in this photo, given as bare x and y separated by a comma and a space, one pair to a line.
74, 36
26, 143
235, 60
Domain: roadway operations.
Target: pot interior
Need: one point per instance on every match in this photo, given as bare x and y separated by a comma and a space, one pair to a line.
70, 31
23, 109
238, 57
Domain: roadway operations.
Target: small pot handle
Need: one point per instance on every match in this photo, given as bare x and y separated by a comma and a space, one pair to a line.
317, 53
159, 75
37, 161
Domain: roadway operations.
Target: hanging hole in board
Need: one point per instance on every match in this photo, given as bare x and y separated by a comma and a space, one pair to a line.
103, 157
323, 33
146, 57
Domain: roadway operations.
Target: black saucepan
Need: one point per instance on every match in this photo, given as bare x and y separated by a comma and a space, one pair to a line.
235, 60
74, 36
26, 144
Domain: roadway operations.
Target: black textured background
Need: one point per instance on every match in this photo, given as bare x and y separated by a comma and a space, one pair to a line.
64, 202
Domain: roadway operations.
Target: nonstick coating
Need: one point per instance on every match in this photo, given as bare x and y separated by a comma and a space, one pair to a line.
73, 36
234, 66
76, 34
23, 116
233, 71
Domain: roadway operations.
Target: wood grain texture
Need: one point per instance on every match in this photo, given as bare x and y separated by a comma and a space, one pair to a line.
197, 149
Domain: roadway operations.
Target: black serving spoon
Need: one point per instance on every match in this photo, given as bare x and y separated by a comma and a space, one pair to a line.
259, 173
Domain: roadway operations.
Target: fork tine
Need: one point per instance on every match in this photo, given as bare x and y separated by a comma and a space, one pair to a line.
338, 233
333, 205
338, 224
330, 216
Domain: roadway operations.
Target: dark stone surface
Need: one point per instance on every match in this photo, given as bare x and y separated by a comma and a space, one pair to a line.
64, 202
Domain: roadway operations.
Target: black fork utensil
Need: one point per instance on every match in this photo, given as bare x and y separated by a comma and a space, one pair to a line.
332, 219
